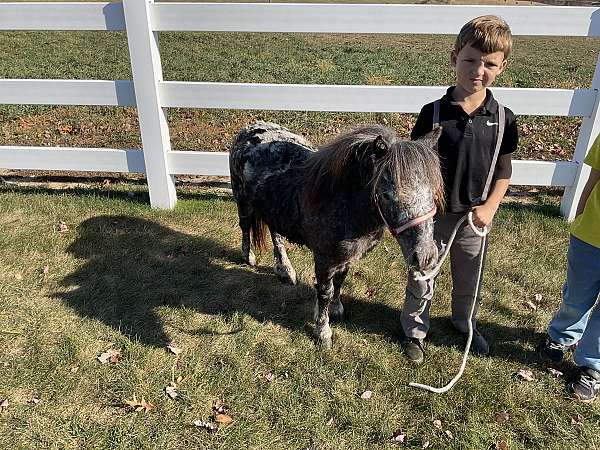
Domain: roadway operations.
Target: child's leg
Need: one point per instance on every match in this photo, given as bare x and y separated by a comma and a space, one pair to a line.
580, 293
464, 263
415, 312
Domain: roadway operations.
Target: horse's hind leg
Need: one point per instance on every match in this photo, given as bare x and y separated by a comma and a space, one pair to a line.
282, 266
336, 309
245, 216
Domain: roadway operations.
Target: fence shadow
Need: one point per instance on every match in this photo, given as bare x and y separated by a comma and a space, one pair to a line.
134, 266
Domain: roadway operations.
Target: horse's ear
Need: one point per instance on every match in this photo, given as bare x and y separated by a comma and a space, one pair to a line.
431, 138
378, 147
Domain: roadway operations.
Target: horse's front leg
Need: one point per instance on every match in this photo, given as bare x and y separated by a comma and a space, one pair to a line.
324, 286
282, 266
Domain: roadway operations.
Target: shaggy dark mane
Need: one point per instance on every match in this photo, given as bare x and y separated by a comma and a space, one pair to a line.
327, 168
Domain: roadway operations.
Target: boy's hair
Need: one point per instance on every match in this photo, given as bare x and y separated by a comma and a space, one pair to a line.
488, 34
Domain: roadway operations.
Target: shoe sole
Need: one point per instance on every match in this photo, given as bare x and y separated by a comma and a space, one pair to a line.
582, 400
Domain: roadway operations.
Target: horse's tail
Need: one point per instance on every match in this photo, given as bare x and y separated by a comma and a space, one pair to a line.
259, 230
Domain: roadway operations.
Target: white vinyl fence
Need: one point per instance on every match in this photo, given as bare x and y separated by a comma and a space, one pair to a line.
143, 19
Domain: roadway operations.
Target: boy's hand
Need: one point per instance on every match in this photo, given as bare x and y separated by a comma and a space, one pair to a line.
483, 215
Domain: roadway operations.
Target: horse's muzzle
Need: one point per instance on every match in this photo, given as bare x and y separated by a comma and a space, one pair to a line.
423, 258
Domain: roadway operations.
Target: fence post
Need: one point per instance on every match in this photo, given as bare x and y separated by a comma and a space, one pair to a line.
147, 73
590, 127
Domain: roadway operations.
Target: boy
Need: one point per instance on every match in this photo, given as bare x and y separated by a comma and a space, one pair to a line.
475, 149
577, 322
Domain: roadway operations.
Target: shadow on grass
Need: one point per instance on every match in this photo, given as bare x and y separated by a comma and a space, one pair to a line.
134, 266
506, 342
140, 197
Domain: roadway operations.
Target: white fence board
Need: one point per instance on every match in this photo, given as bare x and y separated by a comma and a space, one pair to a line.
67, 92
410, 99
66, 158
543, 173
371, 18
61, 16
529, 173
198, 163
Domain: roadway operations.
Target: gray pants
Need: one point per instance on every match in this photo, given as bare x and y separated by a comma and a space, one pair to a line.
464, 265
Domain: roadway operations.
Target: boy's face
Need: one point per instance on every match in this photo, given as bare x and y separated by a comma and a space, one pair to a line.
476, 70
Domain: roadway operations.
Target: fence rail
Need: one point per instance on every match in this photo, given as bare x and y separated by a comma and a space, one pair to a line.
150, 94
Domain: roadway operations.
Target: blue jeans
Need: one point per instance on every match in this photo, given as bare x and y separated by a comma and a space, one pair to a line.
578, 321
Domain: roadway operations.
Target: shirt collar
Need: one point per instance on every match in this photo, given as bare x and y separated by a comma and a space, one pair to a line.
489, 107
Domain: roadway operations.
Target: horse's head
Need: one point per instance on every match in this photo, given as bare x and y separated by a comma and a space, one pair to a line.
408, 190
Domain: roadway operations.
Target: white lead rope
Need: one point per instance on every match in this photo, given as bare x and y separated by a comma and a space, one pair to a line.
483, 234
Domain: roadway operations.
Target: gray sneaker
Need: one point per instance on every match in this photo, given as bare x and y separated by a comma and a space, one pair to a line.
479, 346
586, 386
413, 349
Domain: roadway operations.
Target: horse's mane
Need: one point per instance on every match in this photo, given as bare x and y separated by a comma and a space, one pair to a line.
327, 169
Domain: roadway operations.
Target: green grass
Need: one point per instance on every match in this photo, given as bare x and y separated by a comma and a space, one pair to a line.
128, 277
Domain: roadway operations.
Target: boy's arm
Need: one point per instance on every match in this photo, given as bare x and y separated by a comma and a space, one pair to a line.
587, 189
484, 214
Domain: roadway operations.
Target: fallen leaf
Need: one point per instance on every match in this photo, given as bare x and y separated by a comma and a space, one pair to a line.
62, 227
526, 375
210, 427
174, 349
577, 420
530, 305
437, 423
538, 297
269, 377
65, 129
4, 405
223, 419
501, 445
449, 434
399, 437
74, 369
111, 355
366, 395
425, 444
171, 391
330, 422
45, 270
556, 373
139, 405
34, 400
502, 417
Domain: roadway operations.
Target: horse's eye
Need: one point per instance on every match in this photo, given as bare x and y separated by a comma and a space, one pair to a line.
388, 195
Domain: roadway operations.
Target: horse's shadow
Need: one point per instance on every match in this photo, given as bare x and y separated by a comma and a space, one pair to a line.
134, 266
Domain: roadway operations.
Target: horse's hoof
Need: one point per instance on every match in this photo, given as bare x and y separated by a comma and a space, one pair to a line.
251, 259
285, 274
324, 338
336, 312
326, 343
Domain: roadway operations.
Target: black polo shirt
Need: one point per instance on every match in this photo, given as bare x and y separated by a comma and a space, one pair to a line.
466, 146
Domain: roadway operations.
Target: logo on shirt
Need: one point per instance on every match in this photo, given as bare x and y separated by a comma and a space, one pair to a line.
489, 124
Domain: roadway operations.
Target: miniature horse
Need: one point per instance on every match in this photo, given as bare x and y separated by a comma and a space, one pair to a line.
336, 201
